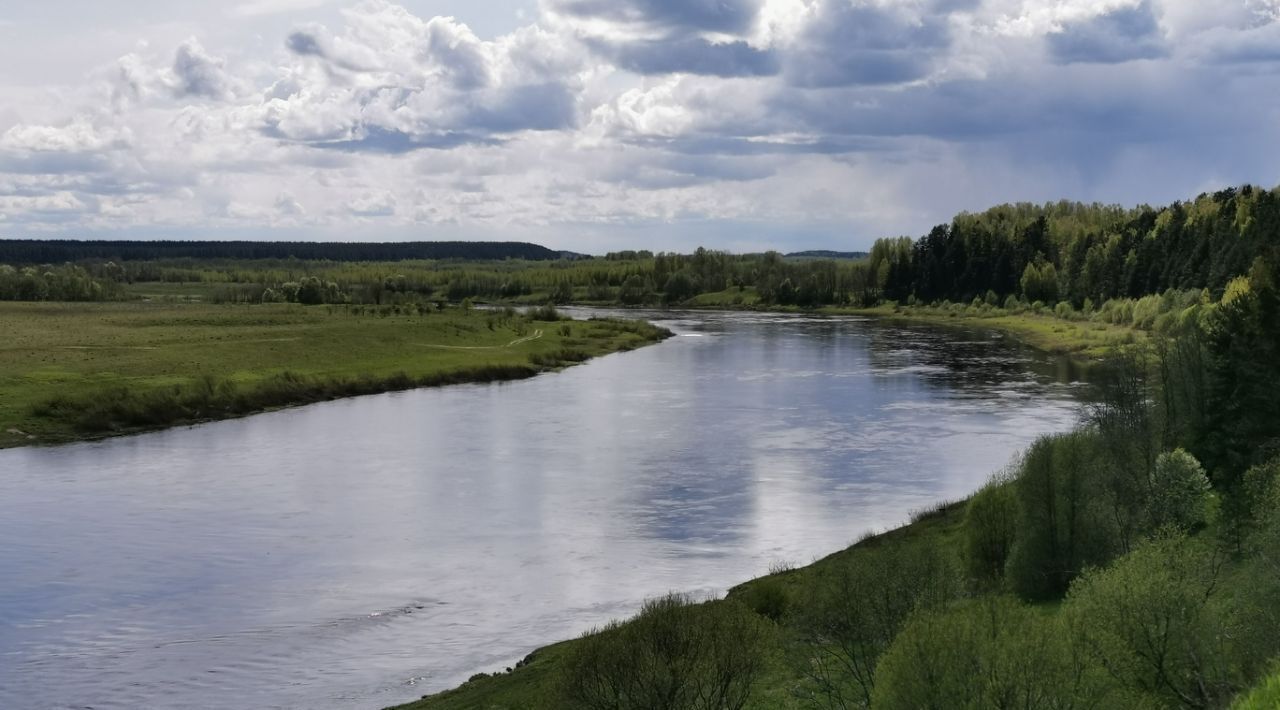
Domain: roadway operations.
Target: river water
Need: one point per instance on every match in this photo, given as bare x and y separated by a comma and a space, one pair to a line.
363, 552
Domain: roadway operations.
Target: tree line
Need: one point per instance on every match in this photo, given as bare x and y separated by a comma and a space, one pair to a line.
56, 251
1082, 255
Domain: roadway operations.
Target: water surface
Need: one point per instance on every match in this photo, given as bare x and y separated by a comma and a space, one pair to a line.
363, 552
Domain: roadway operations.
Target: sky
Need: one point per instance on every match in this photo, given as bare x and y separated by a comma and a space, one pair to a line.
596, 125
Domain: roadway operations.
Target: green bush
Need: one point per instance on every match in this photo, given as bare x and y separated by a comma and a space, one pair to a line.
1180, 492
768, 597
993, 652
853, 611
674, 655
1165, 626
1064, 526
990, 529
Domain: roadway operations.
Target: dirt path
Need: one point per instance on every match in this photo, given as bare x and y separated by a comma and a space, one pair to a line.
536, 335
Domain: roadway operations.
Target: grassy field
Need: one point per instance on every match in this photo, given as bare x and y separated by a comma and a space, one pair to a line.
77, 371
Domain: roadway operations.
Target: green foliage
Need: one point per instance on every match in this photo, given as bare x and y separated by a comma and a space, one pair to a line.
1180, 492
66, 282
1165, 626
1129, 438
1261, 488
1265, 696
853, 611
769, 598
124, 409
546, 314
993, 652
1063, 526
634, 290
1243, 414
990, 529
674, 655
680, 287
1039, 282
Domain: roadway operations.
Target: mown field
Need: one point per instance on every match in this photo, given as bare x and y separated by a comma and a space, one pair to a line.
84, 370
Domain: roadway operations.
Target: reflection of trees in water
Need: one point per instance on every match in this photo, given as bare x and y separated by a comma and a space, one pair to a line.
964, 359
830, 379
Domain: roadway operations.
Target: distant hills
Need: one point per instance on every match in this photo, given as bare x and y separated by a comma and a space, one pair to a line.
826, 254
58, 251
55, 251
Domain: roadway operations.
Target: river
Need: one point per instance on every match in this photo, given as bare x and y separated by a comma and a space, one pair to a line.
363, 552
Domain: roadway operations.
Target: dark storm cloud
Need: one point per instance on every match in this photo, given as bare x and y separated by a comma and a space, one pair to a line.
1122, 35
691, 55
727, 16
677, 36
850, 43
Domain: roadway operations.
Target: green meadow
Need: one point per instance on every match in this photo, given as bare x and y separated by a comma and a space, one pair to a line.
72, 371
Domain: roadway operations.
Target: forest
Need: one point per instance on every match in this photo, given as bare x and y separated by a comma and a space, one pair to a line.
1064, 256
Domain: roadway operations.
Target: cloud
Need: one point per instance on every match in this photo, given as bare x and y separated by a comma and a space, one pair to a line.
693, 55
724, 16
1253, 45
371, 205
392, 82
287, 205
256, 8
1120, 35
596, 119
860, 42
709, 37
197, 74
78, 136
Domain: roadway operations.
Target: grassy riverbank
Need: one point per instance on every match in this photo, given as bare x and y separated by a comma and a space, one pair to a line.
1080, 338
87, 370
1076, 334
533, 684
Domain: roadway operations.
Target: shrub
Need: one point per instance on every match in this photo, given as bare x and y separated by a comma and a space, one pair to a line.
1063, 526
674, 655
854, 610
990, 528
1163, 624
993, 652
546, 313
1180, 492
768, 597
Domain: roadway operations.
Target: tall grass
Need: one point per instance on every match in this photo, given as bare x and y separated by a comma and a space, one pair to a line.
122, 409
